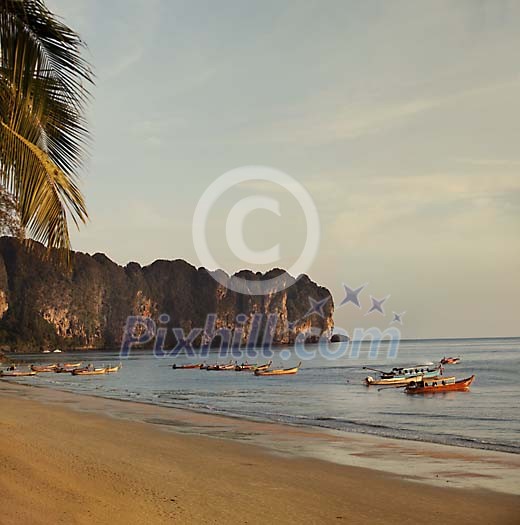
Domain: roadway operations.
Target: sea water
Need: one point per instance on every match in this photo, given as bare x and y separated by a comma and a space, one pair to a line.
329, 393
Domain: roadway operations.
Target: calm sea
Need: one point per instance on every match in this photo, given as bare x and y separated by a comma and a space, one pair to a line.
330, 393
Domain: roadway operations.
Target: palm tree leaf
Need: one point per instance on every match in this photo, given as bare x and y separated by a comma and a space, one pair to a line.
42, 129
58, 47
45, 191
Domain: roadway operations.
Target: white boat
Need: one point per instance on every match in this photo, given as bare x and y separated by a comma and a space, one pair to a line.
57, 351
46, 352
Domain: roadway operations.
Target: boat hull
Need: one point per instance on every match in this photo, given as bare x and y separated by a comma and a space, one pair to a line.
279, 372
41, 369
97, 372
220, 368
458, 386
17, 374
403, 381
450, 360
252, 367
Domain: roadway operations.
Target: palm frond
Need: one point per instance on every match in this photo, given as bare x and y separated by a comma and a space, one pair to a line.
45, 191
43, 133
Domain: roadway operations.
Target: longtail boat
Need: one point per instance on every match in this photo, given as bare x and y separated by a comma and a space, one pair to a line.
439, 384
407, 371
252, 367
246, 367
89, 371
392, 381
17, 373
217, 367
263, 367
450, 360
190, 366
72, 365
279, 371
401, 380
114, 369
65, 369
40, 369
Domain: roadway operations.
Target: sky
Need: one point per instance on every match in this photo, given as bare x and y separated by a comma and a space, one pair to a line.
401, 120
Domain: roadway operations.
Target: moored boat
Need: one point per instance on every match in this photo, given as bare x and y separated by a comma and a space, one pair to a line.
113, 369
45, 368
17, 373
279, 371
263, 367
450, 360
392, 381
188, 366
407, 371
89, 371
245, 367
403, 379
439, 384
217, 367
65, 369
248, 367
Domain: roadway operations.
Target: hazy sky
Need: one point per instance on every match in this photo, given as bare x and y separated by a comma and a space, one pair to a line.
402, 120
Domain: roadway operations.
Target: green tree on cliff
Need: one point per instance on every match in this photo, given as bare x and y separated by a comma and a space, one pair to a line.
43, 136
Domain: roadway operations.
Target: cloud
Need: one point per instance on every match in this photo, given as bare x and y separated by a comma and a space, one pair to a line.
321, 124
398, 209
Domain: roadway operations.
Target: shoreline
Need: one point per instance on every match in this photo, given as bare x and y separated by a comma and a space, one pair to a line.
429, 463
469, 445
87, 349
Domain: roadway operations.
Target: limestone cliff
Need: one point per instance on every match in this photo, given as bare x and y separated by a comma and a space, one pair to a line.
42, 306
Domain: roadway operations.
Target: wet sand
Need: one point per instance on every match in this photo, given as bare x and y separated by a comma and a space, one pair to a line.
67, 458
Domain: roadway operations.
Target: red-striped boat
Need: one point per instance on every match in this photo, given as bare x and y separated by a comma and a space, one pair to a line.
439, 384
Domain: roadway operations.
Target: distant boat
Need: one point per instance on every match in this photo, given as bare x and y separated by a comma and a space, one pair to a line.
397, 380
252, 367
406, 371
57, 351
67, 368
189, 366
46, 352
16, 373
279, 371
246, 367
439, 384
402, 376
450, 360
217, 367
89, 371
40, 369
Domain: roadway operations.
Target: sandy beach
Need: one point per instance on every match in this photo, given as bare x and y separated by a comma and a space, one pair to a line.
64, 461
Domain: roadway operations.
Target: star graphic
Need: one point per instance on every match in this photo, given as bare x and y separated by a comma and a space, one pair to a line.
398, 318
291, 325
377, 304
316, 307
352, 295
